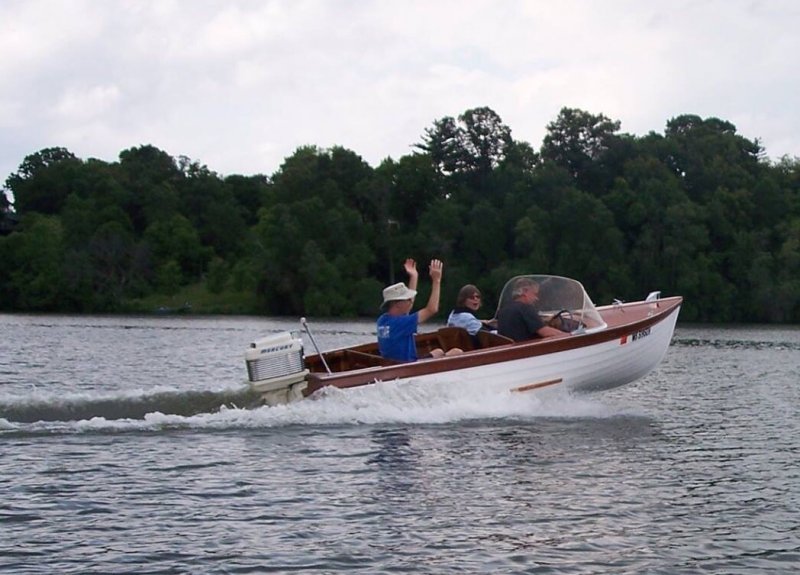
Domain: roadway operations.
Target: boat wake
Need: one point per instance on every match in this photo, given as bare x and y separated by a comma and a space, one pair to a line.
390, 403
77, 407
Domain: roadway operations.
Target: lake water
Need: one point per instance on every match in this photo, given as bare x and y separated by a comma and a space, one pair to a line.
131, 445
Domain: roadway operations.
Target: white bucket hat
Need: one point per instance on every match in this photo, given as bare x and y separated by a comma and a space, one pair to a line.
397, 292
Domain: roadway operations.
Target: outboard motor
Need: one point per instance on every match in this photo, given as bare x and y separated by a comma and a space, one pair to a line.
275, 368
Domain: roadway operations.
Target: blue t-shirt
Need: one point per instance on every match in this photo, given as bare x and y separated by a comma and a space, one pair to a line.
396, 336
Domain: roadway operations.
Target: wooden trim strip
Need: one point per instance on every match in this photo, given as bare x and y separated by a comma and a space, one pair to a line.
537, 385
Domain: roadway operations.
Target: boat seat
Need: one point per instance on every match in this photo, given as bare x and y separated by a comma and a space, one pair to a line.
360, 359
490, 339
450, 337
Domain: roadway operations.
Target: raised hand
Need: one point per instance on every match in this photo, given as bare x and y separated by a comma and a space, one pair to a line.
435, 270
410, 266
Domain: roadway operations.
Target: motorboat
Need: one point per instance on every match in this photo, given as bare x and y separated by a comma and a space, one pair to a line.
605, 347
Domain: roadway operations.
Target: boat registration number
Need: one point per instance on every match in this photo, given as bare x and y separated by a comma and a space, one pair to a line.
635, 336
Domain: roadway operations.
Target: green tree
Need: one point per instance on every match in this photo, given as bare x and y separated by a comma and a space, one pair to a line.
151, 177
697, 210
782, 303
315, 241
111, 251
440, 232
467, 151
476, 143
662, 229
251, 193
217, 276
212, 209
580, 143
412, 184
34, 255
586, 244
43, 181
169, 277
708, 153
176, 240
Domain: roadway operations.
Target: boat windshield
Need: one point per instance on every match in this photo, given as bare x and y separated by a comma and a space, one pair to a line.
562, 299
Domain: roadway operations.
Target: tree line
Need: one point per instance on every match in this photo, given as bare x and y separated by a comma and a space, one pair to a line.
698, 210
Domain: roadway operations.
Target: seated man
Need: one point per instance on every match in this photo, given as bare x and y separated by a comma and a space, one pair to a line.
397, 325
519, 319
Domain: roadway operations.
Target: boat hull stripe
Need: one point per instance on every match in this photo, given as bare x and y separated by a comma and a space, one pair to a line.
537, 385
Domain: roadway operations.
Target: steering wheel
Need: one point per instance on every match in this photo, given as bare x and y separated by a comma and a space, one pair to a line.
564, 321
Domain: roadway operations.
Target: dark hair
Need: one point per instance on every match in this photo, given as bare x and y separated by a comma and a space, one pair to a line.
465, 293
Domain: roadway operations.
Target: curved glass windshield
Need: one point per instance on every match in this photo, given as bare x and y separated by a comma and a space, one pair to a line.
559, 297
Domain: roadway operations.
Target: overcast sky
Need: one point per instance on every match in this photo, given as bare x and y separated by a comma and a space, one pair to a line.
238, 85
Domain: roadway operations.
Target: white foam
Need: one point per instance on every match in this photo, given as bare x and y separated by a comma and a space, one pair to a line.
43, 395
392, 402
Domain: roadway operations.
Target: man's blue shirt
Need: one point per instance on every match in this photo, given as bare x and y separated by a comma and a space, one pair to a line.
396, 336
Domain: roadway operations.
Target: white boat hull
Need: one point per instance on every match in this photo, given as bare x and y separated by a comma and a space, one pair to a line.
593, 368
613, 346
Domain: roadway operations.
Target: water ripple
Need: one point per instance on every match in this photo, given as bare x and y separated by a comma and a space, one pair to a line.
164, 470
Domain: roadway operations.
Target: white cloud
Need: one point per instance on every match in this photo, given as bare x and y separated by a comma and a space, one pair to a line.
80, 104
239, 84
